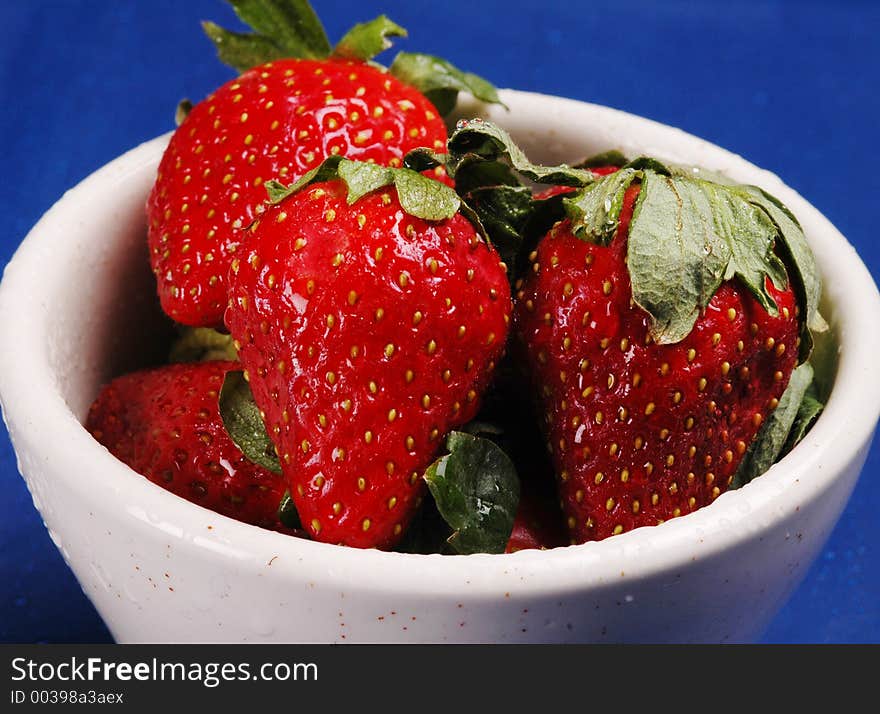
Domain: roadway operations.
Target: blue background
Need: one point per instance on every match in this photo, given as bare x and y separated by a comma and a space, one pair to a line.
792, 86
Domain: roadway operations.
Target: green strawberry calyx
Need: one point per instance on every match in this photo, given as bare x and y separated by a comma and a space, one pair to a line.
290, 29
419, 195
244, 422
480, 153
476, 490
488, 168
784, 427
691, 229
368, 39
281, 28
689, 233
440, 81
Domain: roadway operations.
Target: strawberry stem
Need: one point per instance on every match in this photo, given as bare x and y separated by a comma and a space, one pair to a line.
291, 25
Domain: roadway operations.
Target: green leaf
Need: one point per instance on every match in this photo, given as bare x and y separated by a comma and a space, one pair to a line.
287, 512
362, 178
595, 210
474, 175
505, 212
825, 359
282, 29
291, 25
676, 262
368, 39
690, 231
440, 81
489, 171
808, 284
241, 417
750, 236
546, 212
419, 195
423, 159
771, 439
808, 412
476, 140
202, 344
476, 490
687, 235
424, 197
701, 173
241, 51
327, 170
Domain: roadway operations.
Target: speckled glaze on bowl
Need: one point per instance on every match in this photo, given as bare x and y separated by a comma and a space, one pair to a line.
79, 297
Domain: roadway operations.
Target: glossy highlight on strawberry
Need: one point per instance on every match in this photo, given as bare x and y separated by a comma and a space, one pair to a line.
275, 121
367, 334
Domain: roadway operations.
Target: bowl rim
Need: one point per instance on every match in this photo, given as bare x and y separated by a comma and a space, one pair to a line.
30, 397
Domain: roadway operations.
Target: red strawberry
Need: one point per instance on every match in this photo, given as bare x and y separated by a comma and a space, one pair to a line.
367, 334
296, 102
165, 424
277, 120
641, 432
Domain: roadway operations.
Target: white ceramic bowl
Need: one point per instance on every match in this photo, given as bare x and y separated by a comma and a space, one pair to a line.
79, 298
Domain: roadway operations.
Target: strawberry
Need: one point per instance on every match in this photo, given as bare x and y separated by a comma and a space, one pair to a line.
165, 424
369, 320
294, 105
641, 427
660, 320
